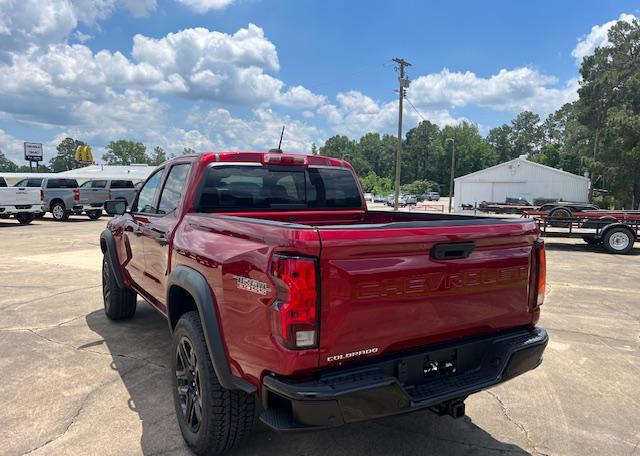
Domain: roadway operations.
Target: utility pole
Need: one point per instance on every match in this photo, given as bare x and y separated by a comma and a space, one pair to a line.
593, 174
453, 169
404, 83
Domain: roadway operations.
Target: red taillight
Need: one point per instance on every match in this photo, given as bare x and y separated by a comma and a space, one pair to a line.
542, 271
294, 316
538, 274
109, 194
76, 194
41, 195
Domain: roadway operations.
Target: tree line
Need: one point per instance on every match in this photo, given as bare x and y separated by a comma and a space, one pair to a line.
598, 134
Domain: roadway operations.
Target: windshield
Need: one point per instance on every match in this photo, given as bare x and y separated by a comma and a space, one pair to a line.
246, 188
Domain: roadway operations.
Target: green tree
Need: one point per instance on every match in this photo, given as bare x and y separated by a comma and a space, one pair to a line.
123, 152
6, 165
609, 106
188, 151
375, 184
419, 187
500, 138
158, 157
66, 155
346, 149
527, 134
420, 149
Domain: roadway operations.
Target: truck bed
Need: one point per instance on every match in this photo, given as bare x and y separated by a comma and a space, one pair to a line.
377, 271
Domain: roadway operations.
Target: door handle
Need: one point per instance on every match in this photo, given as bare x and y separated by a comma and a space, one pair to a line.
161, 240
452, 251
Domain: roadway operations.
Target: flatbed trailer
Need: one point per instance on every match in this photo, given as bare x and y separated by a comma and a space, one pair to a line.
616, 231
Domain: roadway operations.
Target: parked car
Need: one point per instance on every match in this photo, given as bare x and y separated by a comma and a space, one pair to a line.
284, 292
368, 197
61, 197
378, 198
432, 196
20, 202
96, 191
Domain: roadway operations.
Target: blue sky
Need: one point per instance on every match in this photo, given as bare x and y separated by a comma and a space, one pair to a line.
226, 74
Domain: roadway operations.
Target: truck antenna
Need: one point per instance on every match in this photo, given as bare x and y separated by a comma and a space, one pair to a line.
281, 135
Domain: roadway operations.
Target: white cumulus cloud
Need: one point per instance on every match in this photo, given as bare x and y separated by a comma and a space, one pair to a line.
202, 6
598, 37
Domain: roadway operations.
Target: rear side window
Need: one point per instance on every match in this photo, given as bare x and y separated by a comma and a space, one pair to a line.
173, 188
94, 184
31, 182
62, 183
121, 184
3, 183
246, 188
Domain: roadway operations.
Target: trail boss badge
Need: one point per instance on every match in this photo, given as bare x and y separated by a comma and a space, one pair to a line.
255, 286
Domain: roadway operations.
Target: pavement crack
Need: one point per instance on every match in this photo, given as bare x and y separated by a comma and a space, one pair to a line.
28, 301
113, 355
505, 412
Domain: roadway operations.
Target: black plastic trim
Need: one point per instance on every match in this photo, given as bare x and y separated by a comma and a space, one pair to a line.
398, 383
110, 245
453, 250
196, 285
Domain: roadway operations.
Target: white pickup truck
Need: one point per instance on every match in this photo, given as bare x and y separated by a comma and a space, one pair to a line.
22, 202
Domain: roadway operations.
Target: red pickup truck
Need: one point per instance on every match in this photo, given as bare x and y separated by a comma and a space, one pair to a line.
287, 298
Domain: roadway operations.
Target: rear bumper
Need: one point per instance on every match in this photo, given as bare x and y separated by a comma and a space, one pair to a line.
398, 383
21, 208
87, 207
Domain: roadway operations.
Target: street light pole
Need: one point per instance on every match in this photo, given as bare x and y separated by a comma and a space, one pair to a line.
453, 167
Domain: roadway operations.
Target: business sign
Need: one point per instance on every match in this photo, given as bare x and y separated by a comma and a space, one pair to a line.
33, 151
84, 155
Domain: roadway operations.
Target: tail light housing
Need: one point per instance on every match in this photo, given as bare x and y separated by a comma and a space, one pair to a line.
294, 314
41, 195
76, 194
109, 194
538, 274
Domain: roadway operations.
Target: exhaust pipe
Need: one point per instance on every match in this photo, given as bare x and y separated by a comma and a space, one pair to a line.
454, 408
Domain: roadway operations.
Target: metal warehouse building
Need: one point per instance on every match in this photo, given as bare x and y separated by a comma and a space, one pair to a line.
519, 178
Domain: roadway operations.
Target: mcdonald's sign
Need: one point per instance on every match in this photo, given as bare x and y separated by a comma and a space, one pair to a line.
84, 155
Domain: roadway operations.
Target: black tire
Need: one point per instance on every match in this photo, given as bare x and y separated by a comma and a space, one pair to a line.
618, 240
59, 211
560, 212
119, 303
592, 240
226, 417
94, 215
25, 217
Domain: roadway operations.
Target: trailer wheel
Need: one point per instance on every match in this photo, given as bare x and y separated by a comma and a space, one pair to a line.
560, 212
618, 240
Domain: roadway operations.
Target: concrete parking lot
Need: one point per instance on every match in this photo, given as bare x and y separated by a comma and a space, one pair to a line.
75, 383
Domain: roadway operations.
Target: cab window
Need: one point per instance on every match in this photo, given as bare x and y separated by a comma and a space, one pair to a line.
144, 204
173, 188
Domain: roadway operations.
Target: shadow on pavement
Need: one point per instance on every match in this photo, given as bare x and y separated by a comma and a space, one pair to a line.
565, 247
140, 353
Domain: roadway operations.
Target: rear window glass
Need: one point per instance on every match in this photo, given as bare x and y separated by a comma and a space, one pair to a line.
95, 184
246, 188
62, 183
121, 184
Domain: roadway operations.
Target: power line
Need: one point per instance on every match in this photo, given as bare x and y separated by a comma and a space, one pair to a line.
414, 108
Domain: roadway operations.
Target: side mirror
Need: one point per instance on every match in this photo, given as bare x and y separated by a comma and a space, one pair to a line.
115, 207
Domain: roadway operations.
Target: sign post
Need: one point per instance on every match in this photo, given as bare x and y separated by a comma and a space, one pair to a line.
33, 153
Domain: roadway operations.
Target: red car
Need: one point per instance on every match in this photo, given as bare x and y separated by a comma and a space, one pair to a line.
284, 293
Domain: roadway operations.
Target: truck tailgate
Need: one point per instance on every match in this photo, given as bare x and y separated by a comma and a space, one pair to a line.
383, 289
94, 197
19, 196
